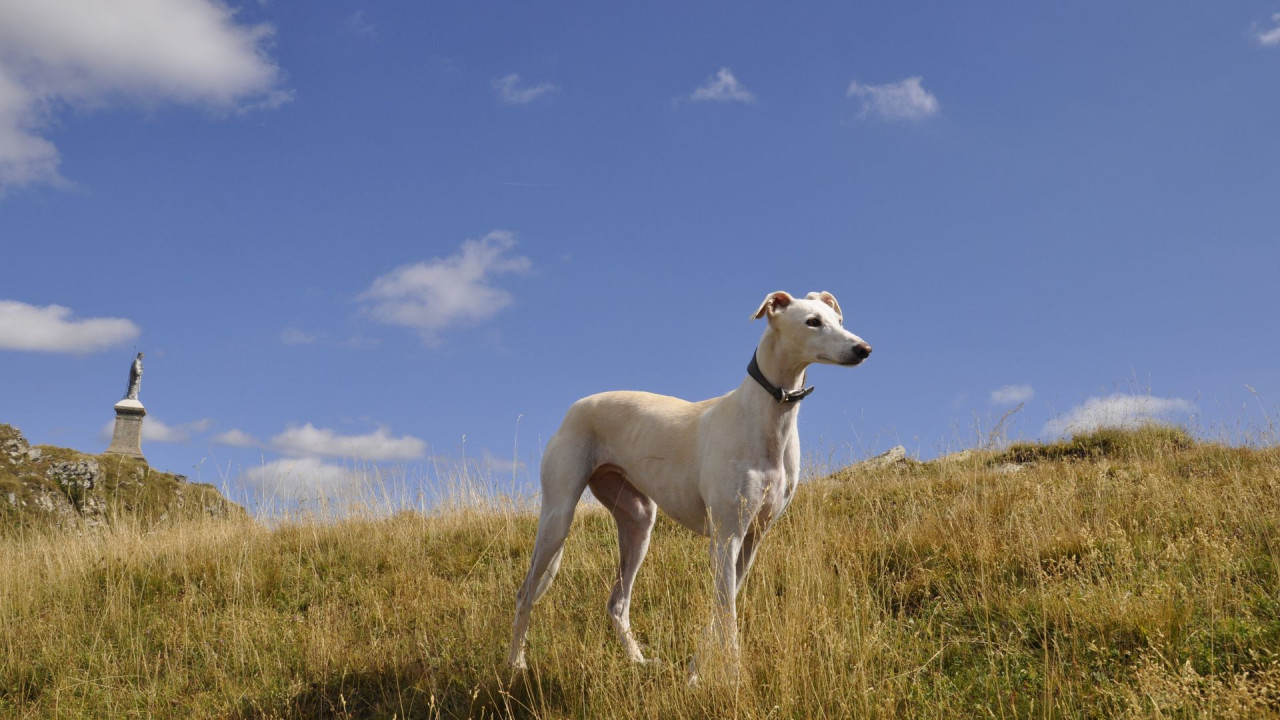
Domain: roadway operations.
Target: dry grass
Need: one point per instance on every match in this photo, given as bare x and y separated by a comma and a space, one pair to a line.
1141, 579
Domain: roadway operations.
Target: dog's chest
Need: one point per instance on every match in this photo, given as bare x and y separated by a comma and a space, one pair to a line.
780, 469
776, 491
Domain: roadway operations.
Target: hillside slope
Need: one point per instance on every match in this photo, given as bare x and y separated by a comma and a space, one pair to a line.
42, 486
1115, 575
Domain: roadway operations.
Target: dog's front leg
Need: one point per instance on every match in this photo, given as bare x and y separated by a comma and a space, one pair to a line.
724, 555
722, 632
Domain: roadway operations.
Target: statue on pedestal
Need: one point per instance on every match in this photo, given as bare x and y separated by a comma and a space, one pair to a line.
126, 438
135, 379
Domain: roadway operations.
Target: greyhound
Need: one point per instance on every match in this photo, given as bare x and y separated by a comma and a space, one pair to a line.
724, 468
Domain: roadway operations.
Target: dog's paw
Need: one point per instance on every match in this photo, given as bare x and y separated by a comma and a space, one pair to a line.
641, 660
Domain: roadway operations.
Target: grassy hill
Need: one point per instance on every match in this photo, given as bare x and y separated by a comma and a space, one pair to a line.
1120, 574
49, 486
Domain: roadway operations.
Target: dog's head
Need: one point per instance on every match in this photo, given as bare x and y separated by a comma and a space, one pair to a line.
812, 328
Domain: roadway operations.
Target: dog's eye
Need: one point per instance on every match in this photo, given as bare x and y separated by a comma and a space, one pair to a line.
814, 322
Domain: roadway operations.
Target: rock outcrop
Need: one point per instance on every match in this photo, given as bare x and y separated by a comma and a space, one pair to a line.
896, 455
42, 486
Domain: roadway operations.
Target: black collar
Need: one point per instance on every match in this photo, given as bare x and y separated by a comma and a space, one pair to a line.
782, 396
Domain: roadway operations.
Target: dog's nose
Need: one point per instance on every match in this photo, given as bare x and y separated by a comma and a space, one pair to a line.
861, 351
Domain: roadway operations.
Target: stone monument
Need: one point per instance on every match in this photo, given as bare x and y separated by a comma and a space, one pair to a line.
127, 437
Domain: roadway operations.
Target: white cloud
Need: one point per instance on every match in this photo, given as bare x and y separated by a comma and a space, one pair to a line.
1012, 394
236, 438
310, 441
360, 342
451, 68
1270, 37
54, 329
903, 100
356, 23
87, 53
492, 464
307, 475
25, 158
1118, 411
294, 336
510, 92
723, 87
431, 296
153, 430
303, 479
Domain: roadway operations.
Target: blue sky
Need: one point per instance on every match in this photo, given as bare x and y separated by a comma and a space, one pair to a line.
356, 233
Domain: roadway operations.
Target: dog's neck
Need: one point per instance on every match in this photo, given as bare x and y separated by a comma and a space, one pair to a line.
776, 367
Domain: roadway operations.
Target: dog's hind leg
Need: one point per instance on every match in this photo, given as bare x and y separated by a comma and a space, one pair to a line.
563, 479
635, 513
553, 528
548, 575
747, 555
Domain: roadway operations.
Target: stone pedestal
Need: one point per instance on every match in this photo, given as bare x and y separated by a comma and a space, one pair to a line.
127, 437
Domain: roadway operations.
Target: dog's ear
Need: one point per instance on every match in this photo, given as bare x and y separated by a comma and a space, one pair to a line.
773, 303
827, 298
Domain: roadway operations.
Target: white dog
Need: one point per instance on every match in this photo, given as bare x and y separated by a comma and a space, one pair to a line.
725, 468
